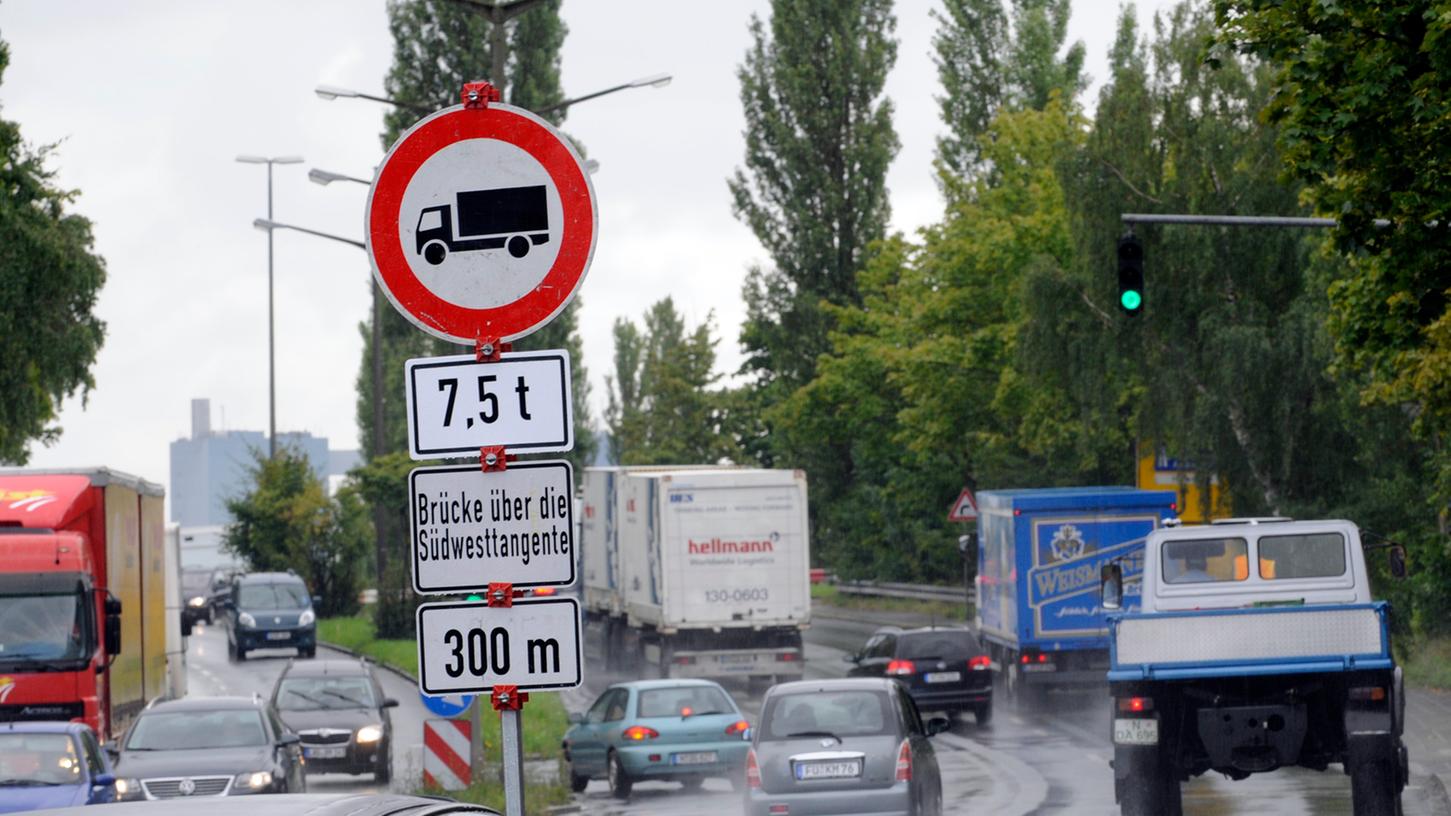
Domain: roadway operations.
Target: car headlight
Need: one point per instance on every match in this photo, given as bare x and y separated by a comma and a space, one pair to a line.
198, 601
370, 733
254, 781
128, 789
306, 618
245, 619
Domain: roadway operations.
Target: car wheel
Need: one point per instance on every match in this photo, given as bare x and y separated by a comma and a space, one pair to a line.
577, 783
692, 783
308, 653
383, 773
241, 653
983, 713
620, 781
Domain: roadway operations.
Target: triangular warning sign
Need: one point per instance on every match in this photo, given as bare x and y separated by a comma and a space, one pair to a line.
965, 508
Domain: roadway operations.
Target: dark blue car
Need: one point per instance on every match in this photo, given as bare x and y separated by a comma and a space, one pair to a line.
52, 765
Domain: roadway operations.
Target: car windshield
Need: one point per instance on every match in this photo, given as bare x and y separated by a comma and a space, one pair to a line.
949, 645
683, 701
35, 760
310, 693
837, 713
193, 730
273, 596
42, 627
195, 583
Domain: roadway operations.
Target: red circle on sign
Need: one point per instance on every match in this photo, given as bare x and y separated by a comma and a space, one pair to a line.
415, 300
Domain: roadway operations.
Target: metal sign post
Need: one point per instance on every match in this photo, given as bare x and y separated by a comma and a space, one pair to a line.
509, 702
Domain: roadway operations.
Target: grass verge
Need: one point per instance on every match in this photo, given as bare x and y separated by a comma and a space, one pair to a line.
1427, 662
829, 595
545, 718
538, 798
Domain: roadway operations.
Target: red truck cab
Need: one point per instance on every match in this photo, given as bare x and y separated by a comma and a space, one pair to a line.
82, 597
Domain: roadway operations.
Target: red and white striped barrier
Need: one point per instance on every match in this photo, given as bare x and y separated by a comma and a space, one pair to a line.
447, 748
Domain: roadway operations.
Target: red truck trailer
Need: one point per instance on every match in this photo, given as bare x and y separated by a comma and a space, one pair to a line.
83, 603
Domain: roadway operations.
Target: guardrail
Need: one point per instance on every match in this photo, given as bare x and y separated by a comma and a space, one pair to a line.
919, 592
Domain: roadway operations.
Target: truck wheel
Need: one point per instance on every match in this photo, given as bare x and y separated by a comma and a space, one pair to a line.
518, 246
1373, 790
434, 252
1142, 796
620, 781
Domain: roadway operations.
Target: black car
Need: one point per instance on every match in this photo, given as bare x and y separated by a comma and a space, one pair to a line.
207, 746
196, 596
339, 711
943, 668
269, 610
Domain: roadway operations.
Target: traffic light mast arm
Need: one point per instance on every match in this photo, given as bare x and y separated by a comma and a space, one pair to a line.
1236, 220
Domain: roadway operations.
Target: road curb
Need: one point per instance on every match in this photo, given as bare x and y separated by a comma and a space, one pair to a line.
382, 664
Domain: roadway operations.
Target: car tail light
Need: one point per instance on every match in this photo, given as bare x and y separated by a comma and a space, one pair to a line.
639, 733
753, 770
1368, 694
1026, 659
737, 727
900, 667
684, 660
1042, 657
904, 762
1135, 705
980, 663
779, 810
788, 657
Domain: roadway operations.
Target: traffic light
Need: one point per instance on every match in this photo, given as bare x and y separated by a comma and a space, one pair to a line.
1130, 274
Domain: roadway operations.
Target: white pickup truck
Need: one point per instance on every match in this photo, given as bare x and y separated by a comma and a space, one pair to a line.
1257, 646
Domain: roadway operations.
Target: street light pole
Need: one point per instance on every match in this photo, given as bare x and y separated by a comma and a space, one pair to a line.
271, 344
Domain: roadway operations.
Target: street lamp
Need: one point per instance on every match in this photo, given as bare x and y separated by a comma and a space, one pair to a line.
330, 93
656, 81
325, 177
271, 353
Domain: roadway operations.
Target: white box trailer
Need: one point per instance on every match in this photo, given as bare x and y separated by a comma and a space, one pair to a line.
713, 571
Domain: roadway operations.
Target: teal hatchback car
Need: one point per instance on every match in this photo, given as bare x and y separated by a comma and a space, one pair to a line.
682, 730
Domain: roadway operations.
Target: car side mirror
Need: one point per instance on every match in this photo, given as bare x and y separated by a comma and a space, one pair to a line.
851, 658
104, 780
113, 627
388, 702
576, 718
1111, 586
287, 739
1397, 559
937, 725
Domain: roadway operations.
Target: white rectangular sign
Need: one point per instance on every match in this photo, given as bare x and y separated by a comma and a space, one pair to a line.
457, 405
468, 527
471, 647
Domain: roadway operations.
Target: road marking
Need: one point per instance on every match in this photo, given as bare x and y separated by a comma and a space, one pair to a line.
1031, 789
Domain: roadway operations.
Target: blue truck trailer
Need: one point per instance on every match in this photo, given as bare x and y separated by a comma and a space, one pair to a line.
1040, 553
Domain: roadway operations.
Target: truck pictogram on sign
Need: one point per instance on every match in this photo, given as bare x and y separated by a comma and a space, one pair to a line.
515, 218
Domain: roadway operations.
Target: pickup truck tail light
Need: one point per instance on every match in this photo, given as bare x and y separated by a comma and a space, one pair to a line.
1135, 705
904, 762
1368, 694
1040, 657
753, 770
901, 667
639, 733
980, 663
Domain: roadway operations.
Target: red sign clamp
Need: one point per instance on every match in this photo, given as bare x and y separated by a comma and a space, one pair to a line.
478, 95
508, 698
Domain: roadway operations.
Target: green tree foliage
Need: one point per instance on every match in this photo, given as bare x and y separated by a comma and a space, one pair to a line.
286, 521
984, 64
49, 279
813, 190
1364, 113
662, 409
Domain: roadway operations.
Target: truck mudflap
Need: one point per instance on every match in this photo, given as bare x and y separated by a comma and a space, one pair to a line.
1253, 739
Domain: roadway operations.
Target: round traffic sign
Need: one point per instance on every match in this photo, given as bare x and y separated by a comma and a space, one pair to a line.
481, 223
450, 705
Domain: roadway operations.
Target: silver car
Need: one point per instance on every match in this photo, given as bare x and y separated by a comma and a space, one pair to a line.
847, 746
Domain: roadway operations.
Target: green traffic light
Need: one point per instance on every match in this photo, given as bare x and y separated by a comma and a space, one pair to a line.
474, 598
1131, 299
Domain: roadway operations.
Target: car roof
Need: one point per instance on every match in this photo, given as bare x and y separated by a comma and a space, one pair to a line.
833, 684
645, 685
921, 630
207, 704
269, 578
335, 668
42, 727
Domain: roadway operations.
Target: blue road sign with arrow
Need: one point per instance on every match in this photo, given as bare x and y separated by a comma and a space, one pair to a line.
449, 705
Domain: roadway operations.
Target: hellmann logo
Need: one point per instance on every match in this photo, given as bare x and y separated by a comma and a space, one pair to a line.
716, 546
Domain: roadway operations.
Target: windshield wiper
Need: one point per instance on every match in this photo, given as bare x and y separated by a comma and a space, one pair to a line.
308, 697
354, 700
27, 783
814, 734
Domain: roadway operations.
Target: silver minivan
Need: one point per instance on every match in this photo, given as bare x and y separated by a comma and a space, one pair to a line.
845, 746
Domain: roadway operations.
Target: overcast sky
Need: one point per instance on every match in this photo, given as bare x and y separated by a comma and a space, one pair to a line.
151, 102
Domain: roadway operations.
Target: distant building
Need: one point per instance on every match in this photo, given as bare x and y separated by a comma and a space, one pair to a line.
213, 466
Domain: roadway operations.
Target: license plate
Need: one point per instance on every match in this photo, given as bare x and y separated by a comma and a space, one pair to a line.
279, 635
1136, 732
737, 658
693, 758
1040, 667
943, 677
828, 770
324, 753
